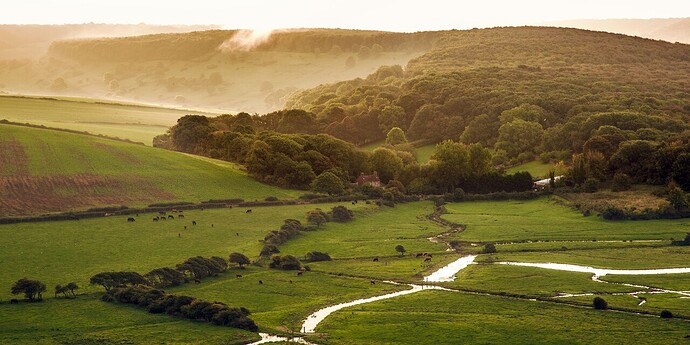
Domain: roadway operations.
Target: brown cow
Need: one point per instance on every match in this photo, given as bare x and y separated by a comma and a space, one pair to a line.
299, 274
197, 281
376, 259
171, 217
130, 219
180, 216
427, 260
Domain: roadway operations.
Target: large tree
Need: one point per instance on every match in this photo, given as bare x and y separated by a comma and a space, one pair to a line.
329, 183
32, 289
386, 163
519, 136
239, 259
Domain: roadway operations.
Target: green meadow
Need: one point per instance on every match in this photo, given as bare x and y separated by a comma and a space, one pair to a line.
547, 219
439, 317
536, 168
131, 121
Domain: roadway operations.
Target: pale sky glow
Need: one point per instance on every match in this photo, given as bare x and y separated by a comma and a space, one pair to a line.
388, 15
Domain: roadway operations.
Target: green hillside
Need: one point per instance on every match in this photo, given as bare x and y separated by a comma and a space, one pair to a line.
50, 171
130, 121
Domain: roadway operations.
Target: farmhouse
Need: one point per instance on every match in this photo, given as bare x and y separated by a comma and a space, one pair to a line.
371, 180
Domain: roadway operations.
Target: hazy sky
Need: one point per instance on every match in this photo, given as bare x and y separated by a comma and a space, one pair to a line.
356, 14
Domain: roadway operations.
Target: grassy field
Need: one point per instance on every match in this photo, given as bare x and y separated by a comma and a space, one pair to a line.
51, 171
655, 303
87, 320
378, 235
459, 318
536, 168
678, 282
614, 258
546, 219
529, 281
60, 252
123, 120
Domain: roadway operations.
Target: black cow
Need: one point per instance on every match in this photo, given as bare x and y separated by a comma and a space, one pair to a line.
180, 216
197, 281
261, 282
373, 282
238, 276
14, 301
171, 217
248, 211
130, 219
427, 260
299, 274
194, 222
155, 219
376, 259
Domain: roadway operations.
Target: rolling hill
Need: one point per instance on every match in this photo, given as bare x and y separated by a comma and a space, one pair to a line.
201, 69
667, 29
45, 171
130, 121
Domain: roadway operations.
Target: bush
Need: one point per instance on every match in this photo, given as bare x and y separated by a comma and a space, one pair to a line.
665, 314
341, 214
271, 198
269, 249
489, 248
612, 213
599, 303
621, 182
591, 185
317, 256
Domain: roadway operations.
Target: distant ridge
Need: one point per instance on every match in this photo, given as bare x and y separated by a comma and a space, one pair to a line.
666, 29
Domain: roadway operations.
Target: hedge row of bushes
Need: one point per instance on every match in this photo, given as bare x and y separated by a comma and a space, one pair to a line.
156, 301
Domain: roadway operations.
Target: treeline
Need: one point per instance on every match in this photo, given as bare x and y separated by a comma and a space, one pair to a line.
200, 44
326, 164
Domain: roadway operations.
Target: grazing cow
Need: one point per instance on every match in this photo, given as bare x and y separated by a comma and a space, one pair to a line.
353, 202
261, 282
171, 217
429, 255
211, 224
162, 213
299, 274
340, 274
130, 219
373, 282
185, 227
14, 301
162, 218
194, 222
237, 233
155, 219
376, 259
238, 276
179, 234
197, 281
248, 211
290, 281
419, 255
180, 216
427, 260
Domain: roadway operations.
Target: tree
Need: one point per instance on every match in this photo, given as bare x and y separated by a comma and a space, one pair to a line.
59, 289
482, 129
665, 314
525, 112
190, 133
450, 164
677, 198
341, 214
328, 182
400, 249
317, 217
599, 303
386, 163
165, 277
621, 182
519, 136
396, 136
239, 259
32, 289
72, 286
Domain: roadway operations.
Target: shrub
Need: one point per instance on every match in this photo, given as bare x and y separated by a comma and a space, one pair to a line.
666, 314
599, 303
591, 185
271, 198
269, 249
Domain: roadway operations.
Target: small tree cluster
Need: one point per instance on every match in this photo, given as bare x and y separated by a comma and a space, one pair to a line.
165, 277
157, 302
400, 249
289, 229
600, 303
110, 280
32, 289
285, 262
489, 248
65, 289
239, 259
200, 267
317, 256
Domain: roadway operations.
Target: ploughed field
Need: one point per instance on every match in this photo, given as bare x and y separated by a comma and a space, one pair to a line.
488, 302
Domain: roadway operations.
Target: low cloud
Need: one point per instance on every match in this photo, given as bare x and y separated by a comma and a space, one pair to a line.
246, 40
